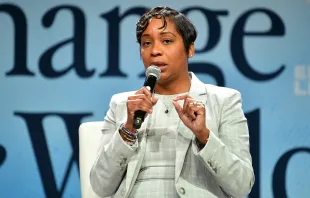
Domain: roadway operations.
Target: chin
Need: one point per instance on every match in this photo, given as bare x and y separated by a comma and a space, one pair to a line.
165, 78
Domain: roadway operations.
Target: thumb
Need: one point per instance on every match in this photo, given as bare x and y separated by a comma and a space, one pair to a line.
154, 100
178, 108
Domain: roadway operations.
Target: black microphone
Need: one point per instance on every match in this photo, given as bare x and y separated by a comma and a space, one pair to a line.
152, 75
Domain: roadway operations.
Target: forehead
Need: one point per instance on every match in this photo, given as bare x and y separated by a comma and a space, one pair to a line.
156, 26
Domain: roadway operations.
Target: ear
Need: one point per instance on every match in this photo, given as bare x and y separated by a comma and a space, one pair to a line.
191, 51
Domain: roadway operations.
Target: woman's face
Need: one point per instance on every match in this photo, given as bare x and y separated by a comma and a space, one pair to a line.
164, 47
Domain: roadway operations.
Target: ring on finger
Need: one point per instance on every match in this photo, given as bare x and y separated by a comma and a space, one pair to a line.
196, 103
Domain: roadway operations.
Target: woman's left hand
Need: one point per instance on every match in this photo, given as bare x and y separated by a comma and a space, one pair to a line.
193, 115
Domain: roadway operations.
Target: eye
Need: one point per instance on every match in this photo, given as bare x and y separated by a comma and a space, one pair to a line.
146, 43
167, 41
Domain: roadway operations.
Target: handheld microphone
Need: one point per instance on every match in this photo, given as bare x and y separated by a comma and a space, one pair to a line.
152, 75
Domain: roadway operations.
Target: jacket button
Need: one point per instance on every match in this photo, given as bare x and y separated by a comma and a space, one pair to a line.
211, 163
182, 191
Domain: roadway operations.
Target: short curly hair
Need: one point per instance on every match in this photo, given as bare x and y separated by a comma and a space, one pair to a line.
183, 25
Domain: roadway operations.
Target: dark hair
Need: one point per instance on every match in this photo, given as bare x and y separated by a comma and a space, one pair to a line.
183, 25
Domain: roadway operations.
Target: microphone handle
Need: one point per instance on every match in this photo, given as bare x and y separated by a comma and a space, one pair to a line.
139, 116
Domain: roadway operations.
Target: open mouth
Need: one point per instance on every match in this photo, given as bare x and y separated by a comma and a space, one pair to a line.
162, 66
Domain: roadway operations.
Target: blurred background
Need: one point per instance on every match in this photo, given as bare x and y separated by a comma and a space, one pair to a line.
61, 61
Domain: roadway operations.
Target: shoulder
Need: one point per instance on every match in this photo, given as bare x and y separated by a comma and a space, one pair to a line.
221, 91
222, 94
121, 97
213, 91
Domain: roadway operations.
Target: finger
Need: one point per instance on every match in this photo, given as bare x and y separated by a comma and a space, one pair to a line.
139, 104
146, 109
145, 99
179, 110
184, 97
134, 101
198, 109
195, 108
187, 103
145, 91
186, 120
181, 97
133, 105
154, 100
177, 106
136, 96
132, 108
193, 111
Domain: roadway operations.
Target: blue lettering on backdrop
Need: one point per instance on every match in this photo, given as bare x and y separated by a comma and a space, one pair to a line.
2, 154
36, 133
113, 18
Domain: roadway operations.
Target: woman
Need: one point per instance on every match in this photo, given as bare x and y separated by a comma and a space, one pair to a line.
194, 141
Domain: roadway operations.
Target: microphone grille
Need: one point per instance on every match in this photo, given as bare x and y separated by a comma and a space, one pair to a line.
154, 71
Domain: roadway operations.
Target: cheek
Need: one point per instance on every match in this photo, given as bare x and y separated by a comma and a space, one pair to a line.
143, 56
178, 52
144, 60
178, 56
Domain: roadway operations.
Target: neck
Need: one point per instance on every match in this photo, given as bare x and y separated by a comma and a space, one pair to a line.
174, 87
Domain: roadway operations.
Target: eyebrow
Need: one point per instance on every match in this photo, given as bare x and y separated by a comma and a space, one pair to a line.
162, 33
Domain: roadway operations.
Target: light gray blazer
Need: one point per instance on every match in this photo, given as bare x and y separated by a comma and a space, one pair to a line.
223, 168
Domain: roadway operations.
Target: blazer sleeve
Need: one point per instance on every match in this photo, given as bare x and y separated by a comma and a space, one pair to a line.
227, 156
112, 159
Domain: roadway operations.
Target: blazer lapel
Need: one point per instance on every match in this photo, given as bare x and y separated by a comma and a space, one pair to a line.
183, 140
133, 167
185, 135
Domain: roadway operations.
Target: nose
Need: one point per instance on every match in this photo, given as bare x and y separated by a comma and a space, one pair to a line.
156, 49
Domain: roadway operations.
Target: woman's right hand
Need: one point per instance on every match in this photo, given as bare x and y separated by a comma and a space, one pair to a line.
141, 100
